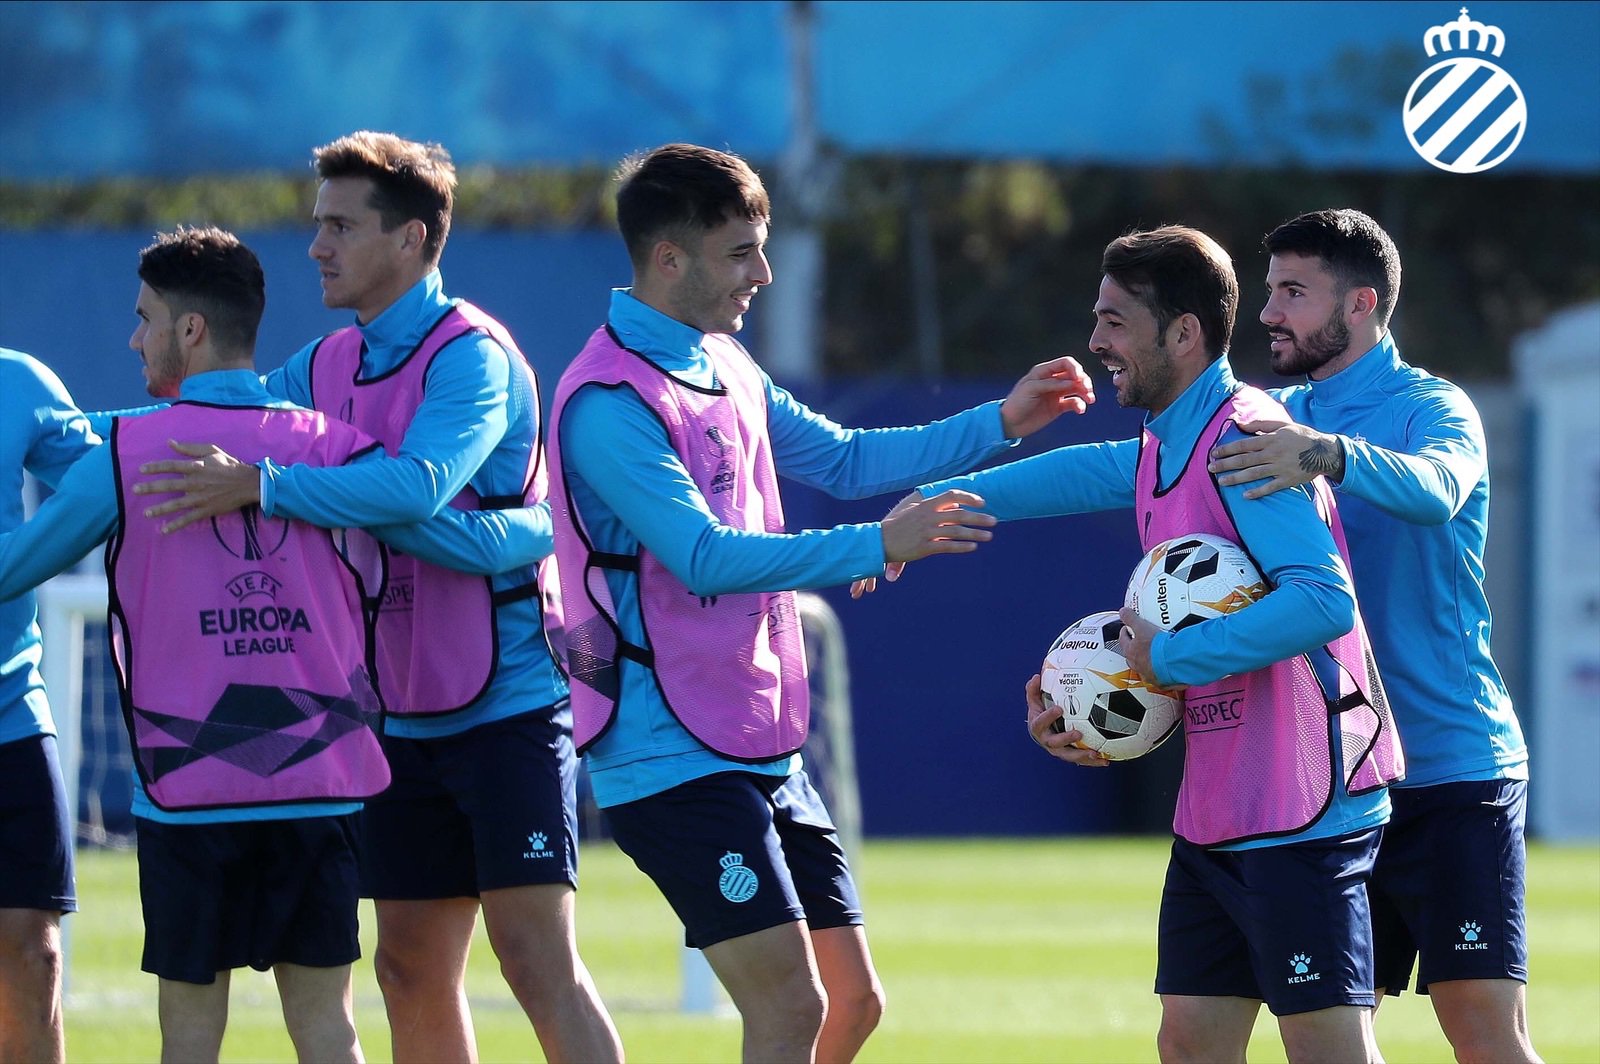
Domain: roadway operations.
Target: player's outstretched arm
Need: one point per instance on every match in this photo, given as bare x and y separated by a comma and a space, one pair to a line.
942, 524
210, 481
100, 420
918, 526
482, 542
1044, 393
1425, 480
67, 525
1281, 453
891, 570
56, 432
459, 422
868, 584
1058, 744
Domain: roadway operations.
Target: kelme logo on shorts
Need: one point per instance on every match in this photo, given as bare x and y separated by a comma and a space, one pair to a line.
1471, 932
1464, 114
737, 882
537, 847
1300, 964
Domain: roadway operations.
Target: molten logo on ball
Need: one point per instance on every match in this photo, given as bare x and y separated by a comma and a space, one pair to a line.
1119, 713
1191, 579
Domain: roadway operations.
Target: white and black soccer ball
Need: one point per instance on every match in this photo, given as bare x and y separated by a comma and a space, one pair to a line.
1120, 714
1190, 579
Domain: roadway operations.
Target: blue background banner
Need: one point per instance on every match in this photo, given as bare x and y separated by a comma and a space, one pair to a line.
179, 88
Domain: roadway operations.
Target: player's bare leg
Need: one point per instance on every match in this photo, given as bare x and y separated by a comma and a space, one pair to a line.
1486, 1020
318, 1010
1205, 1030
1343, 1032
30, 986
855, 996
533, 932
772, 978
421, 964
193, 1017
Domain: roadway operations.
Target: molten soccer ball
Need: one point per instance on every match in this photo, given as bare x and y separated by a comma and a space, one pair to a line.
1191, 579
1100, 695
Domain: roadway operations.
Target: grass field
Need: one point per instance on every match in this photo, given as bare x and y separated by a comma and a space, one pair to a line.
991, 950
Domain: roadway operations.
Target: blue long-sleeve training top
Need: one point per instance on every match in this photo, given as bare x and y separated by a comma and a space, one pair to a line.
476, 425
42, 433
631, 488
1312, 601
83, 512
1415, 505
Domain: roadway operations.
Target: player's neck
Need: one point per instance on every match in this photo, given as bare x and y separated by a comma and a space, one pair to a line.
1358, 346
391, 294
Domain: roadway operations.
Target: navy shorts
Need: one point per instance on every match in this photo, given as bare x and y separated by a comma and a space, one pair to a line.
1450, 884
491, 807
736, 852
1288, 925
256, 892
35, 829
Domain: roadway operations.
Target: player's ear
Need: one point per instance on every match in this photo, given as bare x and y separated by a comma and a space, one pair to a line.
1184, 334
191, 328
413, 235
667, 257
1361, 303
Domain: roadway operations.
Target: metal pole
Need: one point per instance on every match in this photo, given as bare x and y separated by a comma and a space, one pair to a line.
792, 336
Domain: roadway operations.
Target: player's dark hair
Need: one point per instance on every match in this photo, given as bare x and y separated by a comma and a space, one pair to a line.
211, 273
1176, 270
410, 180
1352, 247
679, 192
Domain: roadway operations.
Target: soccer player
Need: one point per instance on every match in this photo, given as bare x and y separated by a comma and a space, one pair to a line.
1288, 742
482, 811
1406, 451
242, 649
43, 433
690, 694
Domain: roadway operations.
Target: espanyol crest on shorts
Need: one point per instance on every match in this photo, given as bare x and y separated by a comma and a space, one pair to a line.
737, 883
1464, 114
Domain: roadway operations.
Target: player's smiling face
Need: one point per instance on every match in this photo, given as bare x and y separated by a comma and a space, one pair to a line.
1304, 315
363, 268
1128, 344
720, 277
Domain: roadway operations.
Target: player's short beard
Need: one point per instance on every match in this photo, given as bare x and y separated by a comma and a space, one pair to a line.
164, 373
1151, 385
1315, 351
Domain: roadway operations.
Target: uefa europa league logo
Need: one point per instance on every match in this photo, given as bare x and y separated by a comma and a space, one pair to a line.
1464, 114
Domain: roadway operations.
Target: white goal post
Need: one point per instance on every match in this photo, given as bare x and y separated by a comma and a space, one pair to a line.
66, 604
830, 752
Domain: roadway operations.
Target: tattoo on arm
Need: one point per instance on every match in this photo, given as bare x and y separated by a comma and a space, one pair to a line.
1323, 458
